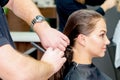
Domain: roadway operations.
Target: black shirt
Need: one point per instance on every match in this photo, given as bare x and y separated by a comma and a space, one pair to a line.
94, 2
3, 2
5, 37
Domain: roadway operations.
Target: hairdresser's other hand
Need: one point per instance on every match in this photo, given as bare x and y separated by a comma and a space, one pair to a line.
51, 37
55, 58
108, 4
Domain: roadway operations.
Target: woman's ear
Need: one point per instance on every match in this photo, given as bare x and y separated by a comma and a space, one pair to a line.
81, 39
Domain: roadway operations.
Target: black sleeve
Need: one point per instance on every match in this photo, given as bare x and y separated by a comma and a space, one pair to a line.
94, 2
101, 11
3, 2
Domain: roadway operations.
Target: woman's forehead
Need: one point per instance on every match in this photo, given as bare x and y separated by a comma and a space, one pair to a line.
100, 26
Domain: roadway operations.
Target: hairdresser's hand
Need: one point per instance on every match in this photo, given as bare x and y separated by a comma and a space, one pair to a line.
51, 37
108, 4
55, 58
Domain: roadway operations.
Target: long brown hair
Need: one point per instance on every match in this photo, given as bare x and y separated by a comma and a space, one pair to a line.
79, 22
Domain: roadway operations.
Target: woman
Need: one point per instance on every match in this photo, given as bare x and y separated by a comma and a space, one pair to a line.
86, 30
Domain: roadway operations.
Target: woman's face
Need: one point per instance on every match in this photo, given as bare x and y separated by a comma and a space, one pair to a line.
96, 41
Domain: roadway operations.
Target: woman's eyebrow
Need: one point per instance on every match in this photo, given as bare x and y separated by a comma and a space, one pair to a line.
103, 31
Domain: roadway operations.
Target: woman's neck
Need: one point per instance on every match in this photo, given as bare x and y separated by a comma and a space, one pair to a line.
81, 57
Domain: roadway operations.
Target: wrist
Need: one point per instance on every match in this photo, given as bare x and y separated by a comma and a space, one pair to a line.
104, 7
101, 11
37, 19
47, 69
40, 27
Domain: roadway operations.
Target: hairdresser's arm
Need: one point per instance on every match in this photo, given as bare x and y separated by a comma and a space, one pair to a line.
108, 4
27, 10
15, 66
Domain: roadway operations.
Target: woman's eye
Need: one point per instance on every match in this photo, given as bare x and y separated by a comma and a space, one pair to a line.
102, 35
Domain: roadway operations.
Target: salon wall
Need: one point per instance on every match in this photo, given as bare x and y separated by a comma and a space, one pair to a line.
105, 64
112, 16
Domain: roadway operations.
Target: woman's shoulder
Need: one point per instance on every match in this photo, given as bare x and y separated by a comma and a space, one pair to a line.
75, 73
105, 77
72, 74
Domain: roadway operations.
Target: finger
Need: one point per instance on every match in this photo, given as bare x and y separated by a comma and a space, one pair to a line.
64, 43
65, 38
61, 53
63, 60
49, 49
61, 47
56, 50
